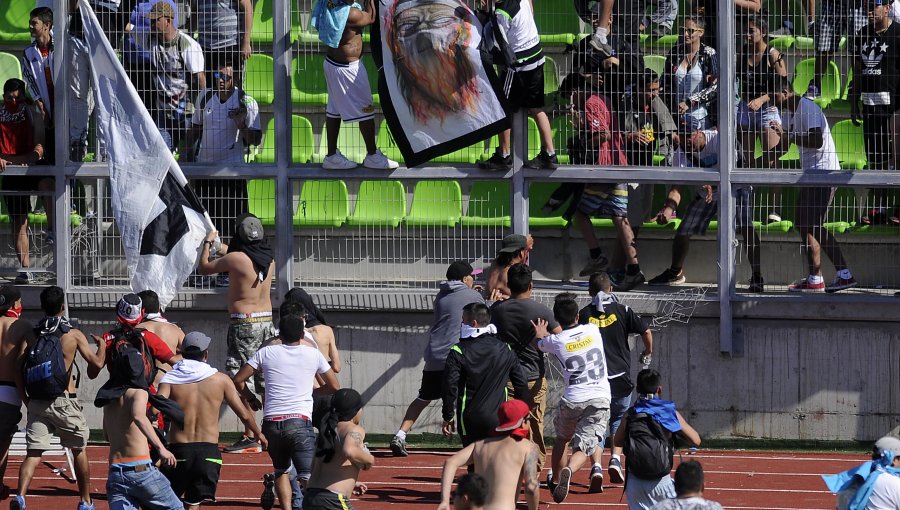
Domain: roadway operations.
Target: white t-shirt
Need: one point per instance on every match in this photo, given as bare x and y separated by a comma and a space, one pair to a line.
885, 493
580, 353
807, 117
290, 372
221, 141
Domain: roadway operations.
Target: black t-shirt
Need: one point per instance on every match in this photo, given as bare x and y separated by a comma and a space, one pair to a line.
513, 320
879, 61
616, 322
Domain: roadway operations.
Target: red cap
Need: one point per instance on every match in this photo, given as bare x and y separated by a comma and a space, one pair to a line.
512, 414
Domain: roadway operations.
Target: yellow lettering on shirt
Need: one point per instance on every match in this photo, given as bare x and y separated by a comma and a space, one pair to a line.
603, 321
581, 344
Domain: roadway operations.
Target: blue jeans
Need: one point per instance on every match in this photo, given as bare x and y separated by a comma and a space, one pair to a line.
617, 408
130, 490
291, 442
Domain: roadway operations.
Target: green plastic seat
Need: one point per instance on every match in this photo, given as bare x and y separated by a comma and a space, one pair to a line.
10, 67
850, 145
562, 129
259, 71
538, 193
534, 138
655, 62
322, 204
435, 204
842, 104
302, 141
831, 82
263, 22
40, 218
379, 204
557, 21
14, 21
308, 80
350, 143
372, 72
488, 205
386, 143
782, 42
551, 77
261, 200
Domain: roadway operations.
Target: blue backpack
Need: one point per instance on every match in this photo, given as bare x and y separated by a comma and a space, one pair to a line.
46, 376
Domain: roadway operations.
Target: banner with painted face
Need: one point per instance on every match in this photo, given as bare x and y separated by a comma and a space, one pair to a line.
437, 93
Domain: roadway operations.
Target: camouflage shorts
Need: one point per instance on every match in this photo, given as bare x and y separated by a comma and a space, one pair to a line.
244, 338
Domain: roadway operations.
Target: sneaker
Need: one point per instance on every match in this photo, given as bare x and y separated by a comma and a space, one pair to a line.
496, 162
804, 286
616, 473
550, 484
596, 486
23, 278
628, 282
551, 205
840, 284
85, 506
669, 277
562, 488
774, 217
243, 445
267, 499
398, 447
543, 160
756, 284
17, 503
223, 280
595, 265
337, 161
379, 161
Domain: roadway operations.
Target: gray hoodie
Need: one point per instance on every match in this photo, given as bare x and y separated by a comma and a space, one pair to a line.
444, 334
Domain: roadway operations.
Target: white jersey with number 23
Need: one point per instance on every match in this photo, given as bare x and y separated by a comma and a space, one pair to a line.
580, 353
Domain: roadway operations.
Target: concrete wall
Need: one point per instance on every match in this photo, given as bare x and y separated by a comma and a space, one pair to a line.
796, 379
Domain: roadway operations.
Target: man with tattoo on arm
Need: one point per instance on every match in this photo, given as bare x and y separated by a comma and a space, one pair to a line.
504, 460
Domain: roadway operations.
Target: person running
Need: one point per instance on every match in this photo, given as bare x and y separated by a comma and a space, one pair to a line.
290, 370
200, 390
14, 332
455, 293
506, 461
340, 454
250, 263
584, 407
478, 370
154, 322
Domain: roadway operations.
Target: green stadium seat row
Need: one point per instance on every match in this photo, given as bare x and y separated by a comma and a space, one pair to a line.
10, 67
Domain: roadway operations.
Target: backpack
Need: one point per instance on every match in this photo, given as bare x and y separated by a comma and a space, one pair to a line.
130, 358
44, 370
648, 446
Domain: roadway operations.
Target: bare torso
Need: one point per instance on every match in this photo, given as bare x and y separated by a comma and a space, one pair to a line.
171, 334
201, 402
350, 47
496, 280
246, 294
340, 474
12, 333
324, 337
125, 438
500, 460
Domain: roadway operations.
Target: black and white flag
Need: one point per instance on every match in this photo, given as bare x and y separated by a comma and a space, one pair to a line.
158, 215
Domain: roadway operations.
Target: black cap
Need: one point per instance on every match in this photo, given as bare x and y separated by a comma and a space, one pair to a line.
290, 329
9, 294
459, 270
513, 243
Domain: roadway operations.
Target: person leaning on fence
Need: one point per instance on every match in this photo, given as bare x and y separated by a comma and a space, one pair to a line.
455, 293
647, 434
689, 490
14, 332
514, 249
53, 407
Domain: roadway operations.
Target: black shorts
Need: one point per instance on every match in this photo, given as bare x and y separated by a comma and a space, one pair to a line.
877, 133
432, 382
196, 473
324, 499
526, 89
19, 205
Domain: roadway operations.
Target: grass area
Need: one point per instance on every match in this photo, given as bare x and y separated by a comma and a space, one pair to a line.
438, 442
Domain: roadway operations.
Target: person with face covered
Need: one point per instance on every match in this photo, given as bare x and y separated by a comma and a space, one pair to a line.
250, 262
349, 95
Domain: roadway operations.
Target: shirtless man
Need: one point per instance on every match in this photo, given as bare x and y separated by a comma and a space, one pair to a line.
505, 461
340, 454
61, 415
250, 262
133, 480
514, 250
322, 333
155, 323
14, 332
349, 95
200, 390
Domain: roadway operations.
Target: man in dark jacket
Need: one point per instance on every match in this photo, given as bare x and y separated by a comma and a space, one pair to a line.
456, 292
475, 377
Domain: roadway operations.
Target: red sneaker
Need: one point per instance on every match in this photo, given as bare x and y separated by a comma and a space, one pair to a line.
804, 286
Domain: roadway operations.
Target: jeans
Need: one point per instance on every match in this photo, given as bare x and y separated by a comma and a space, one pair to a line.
130, 490
291, 441
617, 408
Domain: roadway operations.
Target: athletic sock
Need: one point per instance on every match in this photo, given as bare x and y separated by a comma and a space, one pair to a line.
401, 435
616, 456
596, 252
550, 154
596, 465
632, 269
814, 279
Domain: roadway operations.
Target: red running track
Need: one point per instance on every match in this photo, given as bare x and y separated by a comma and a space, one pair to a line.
737, 479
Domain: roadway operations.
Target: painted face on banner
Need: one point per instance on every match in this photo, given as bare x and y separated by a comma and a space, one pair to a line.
428, 40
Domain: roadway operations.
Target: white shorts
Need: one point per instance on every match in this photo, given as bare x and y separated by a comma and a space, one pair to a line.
349, 96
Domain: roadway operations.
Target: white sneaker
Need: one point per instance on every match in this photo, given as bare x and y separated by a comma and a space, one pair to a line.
379, 161
338, 161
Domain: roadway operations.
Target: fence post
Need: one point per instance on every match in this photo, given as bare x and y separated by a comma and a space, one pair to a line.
281, 49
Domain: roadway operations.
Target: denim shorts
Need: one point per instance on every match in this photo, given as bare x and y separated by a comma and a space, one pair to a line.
758, 120
131, 490
291, 441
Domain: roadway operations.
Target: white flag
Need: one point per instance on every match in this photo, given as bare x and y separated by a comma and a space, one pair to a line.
159, 217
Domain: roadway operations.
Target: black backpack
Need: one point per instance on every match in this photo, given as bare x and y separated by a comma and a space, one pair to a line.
649, 447
130, 358
44, 370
